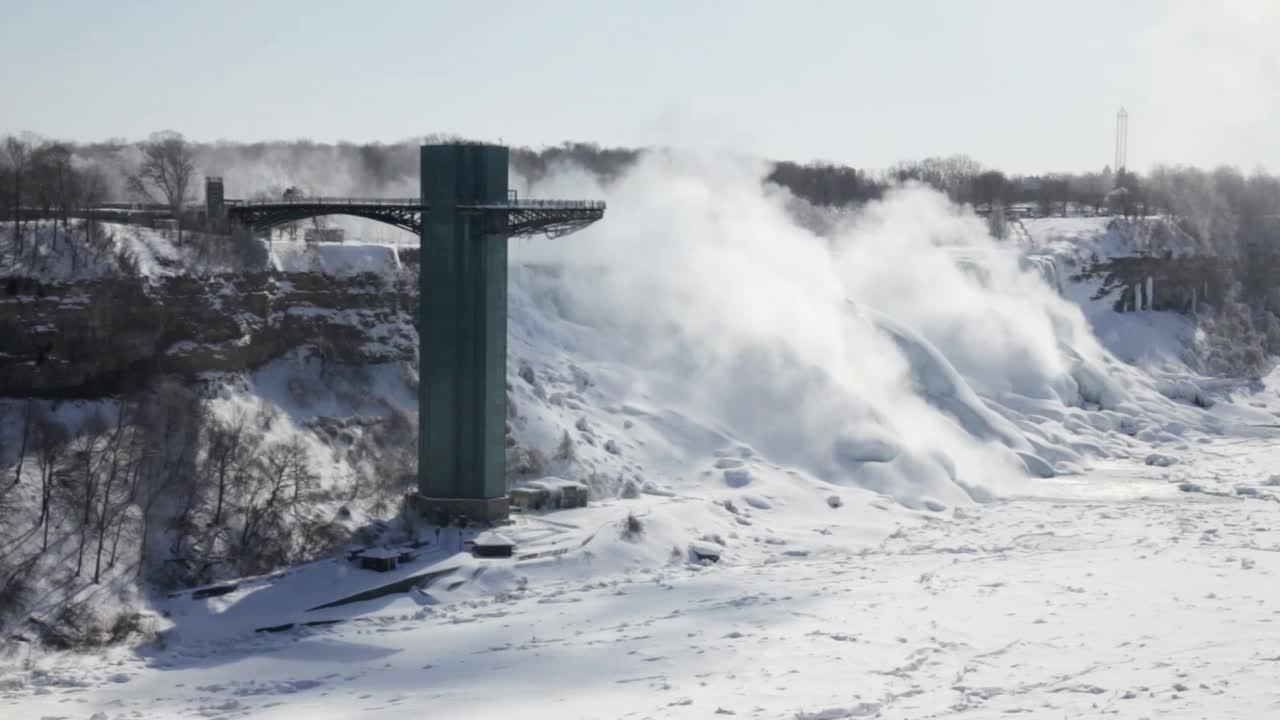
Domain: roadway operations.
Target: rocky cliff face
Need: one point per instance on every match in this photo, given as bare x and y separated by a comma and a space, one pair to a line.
96, 337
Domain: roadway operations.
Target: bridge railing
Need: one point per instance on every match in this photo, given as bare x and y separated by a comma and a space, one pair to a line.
538, 205
417, 202
398, 202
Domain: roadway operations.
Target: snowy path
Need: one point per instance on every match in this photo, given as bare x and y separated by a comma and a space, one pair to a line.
1129, 599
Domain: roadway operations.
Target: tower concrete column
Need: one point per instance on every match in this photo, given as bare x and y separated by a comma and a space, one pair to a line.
462, 335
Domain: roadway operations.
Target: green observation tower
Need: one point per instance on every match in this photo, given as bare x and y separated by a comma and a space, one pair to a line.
468, 214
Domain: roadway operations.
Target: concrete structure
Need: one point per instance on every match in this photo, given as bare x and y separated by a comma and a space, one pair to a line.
214, 199
462, 335
379, 559
549, 494
327, 235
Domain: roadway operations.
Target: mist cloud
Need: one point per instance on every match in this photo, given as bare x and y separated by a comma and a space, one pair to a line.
850, 355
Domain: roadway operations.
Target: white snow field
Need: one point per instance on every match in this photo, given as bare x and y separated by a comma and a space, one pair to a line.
890, 473
1114, 595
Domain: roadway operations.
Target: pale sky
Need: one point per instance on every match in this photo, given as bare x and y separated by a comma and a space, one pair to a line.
1024, 85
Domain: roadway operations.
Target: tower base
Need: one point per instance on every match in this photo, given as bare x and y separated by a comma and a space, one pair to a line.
443, 511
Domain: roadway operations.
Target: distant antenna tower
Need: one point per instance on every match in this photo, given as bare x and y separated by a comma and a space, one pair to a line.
1122, 139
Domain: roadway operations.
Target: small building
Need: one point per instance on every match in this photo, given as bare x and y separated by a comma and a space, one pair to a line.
549, 494
493, 545
327, 235
214, 199
528, 498
379, 559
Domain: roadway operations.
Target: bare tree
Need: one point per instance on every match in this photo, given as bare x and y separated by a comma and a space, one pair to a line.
90, 189
136, 457
50, 440
22, 445
162, 481
226, 458
167, 170
955, 175
275, 488
54, 179
990, 188
18, 156
287, 467
87, 458
107, 508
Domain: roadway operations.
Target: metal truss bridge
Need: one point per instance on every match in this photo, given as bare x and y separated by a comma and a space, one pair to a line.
512, 218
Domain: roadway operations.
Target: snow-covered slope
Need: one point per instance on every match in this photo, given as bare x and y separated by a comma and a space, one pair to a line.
53, 253
1085, 237
1161, 344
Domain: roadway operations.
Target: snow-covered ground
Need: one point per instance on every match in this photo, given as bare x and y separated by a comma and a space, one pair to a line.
937, 484
1114, 594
